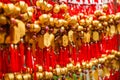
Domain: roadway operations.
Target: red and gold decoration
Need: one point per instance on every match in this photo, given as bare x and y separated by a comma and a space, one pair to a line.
51, 40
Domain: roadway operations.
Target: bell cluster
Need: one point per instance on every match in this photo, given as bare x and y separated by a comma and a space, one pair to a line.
51, 17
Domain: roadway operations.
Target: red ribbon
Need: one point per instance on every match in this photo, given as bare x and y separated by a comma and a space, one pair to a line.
46, 52
53, 59
74, 55
61, 57
29, 59
21, 49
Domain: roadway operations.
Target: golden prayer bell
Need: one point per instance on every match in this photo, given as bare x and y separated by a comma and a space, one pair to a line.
80, 28
9, 76
43, 5
103, 17
56, 9
9, 9
23, 6
98, 13
3, 20
46, 75
50, 75
25, 77
57, 71
82, 22
51, 20
18, 77
117, 16
30, 9
64, 7
44, 18
39, 2
48, 8
40, 68
105, 7
36, 28
95, 23
66, 16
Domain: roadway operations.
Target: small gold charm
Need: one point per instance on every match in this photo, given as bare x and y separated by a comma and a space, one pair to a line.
118, 28
95, 36
70, 36
86, 37
112, 30
65, 40
47, 39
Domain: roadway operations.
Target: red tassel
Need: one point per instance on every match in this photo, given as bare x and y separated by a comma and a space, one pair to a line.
1, 64
12, 58
21, 62
66, 56
61, 57
29, 58
35, 69
39, 55
88, 52
74, 54
46, 52
16, 59
52, 59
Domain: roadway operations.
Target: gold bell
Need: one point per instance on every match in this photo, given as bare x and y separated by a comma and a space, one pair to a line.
18, 77
44, 18
58, 71
66, 16
46, 75
23, 6
49, 7
25, 77
9, 76
105, 7
64, 7
39, 2
80, 28
36, 28
95, 22
82, 22
98, 13
44, 5
40, 68
9, 9
56, 9
51, 21
50, 75
3, 20
30, 9
103, 17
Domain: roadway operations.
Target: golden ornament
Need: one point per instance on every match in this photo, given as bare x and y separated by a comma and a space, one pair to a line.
65, 40
44, 18
3, 20
36, 28
98, 13
9, 76
64, 7
9, 9
39, 3
40, 68
79, 28
48, 8
56, 9
22, 5
105, 7
18, 77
